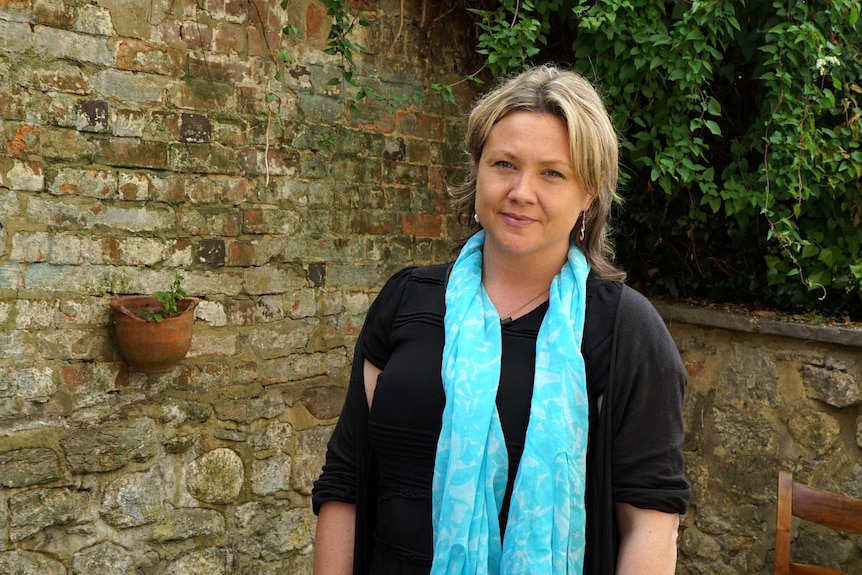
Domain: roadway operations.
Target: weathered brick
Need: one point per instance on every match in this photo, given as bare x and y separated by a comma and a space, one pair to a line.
15, 37
53, 13
196, 35
135, 251
87, 279
416, 125
229, 40
90, 183
203, 158
373, 222
210, 252
60, 76
227, 69
272, 279
66, 45
405, 174
263, 220
93, 116
25, 140
133, 219
167, 31
66, 145
30, 382
419, 151
205, 221
15, 10
205, 344
131, 87
275, 162
195, 128
65, 213
92, 19
316, 28
138, 56
422, 225
92, 311
74, 249
128, 123
257, 252
134, 186
254, 42
132, 152
231, 133
27, 176
34, 313
30, 247
170, 189
203, 94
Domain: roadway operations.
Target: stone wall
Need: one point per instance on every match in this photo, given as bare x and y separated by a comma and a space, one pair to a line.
143, 137
765, 396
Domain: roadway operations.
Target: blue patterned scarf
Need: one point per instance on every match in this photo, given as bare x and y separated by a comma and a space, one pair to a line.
545, 529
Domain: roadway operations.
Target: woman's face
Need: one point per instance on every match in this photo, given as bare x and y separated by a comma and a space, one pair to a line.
527, 197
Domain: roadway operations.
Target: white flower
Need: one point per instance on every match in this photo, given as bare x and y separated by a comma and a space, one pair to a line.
826, 63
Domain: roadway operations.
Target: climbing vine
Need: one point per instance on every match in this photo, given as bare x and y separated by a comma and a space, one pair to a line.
740, 128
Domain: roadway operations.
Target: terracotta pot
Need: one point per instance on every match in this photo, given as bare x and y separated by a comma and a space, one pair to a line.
150, 346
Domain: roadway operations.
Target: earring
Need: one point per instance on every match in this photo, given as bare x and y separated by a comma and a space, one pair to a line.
583, 225
476, 217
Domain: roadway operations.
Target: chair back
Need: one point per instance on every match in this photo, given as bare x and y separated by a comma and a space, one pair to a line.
814, 505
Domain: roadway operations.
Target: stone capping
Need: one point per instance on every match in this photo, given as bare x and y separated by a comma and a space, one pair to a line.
690, 314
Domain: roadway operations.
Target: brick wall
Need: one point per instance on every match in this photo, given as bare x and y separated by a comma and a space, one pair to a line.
142, 138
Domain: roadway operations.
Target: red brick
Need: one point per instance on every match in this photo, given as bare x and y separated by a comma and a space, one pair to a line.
138, 56
133, 152
25, 139
316, 23
196, 35
371, 224
238, 10
219, 71
229, 40
169, 31
420, 125
437, 178
255, 42
240, 253
422, 225
54, 14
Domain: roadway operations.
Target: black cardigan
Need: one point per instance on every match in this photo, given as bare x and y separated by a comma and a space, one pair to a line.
634, 451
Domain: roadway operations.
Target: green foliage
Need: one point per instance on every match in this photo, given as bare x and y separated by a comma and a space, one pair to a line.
168, 299
741, 137
344, 23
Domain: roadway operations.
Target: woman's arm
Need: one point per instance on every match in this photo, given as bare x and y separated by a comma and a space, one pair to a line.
647, 541
336, 521
333, 542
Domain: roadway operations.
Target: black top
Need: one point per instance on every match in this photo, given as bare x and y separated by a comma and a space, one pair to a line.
384, 461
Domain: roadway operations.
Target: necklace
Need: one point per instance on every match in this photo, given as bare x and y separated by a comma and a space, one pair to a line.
507, 318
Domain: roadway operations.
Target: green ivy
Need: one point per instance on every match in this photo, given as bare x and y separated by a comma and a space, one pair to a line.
740, 130
741, 137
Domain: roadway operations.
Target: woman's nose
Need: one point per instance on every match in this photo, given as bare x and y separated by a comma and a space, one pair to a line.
523, 189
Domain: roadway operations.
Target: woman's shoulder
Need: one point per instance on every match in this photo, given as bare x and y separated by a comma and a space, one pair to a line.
610, 297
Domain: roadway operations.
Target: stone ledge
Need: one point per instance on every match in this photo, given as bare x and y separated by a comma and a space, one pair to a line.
684, 313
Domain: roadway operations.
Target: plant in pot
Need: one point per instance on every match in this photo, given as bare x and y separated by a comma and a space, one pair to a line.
154, 332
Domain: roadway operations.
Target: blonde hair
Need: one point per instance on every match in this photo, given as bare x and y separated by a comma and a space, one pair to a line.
592, 138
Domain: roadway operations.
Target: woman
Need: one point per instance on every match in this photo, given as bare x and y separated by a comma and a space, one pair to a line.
520, 410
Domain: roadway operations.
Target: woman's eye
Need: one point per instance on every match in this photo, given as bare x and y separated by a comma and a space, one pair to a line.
504, 164
555, 174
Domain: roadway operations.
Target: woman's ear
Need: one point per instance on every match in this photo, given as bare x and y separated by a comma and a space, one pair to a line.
588, 201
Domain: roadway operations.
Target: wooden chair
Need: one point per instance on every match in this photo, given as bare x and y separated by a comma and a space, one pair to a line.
814, 505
